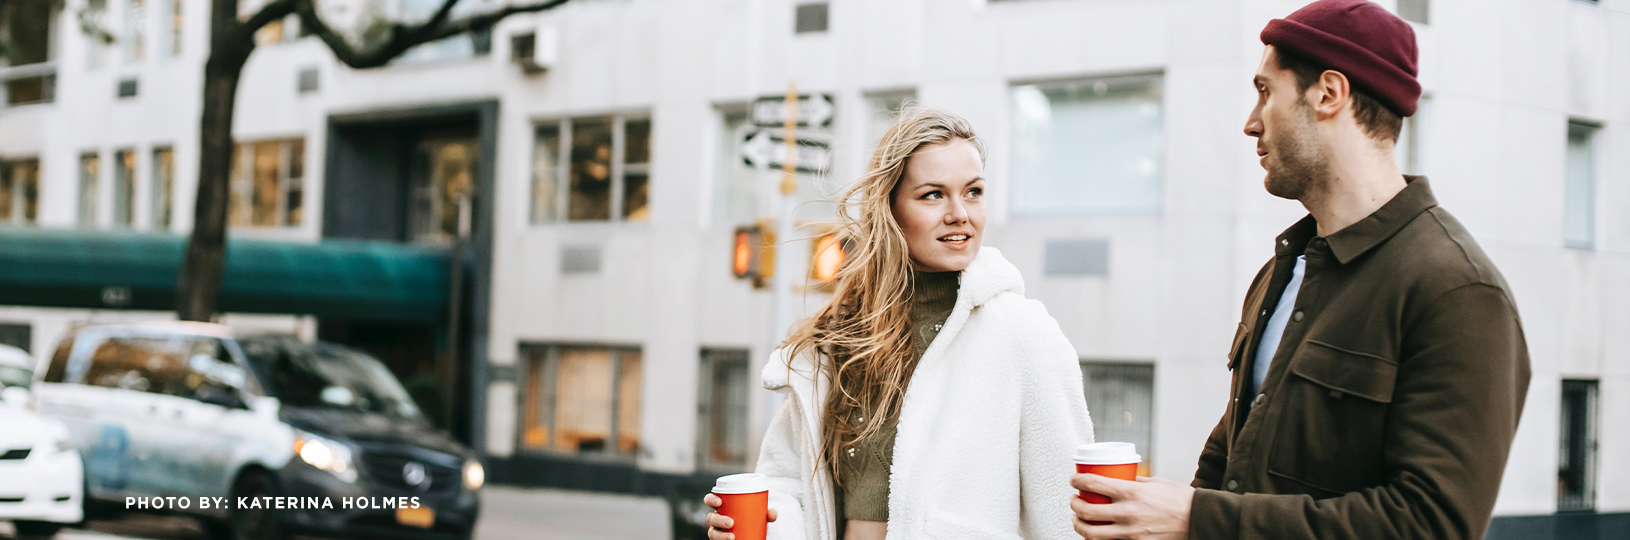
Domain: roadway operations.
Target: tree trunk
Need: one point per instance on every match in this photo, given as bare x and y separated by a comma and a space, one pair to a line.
200, 281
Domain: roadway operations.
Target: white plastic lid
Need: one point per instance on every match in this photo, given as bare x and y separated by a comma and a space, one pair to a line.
741, 483
1107, 453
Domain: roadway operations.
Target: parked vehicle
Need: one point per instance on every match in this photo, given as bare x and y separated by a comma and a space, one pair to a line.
44, 477
189, 410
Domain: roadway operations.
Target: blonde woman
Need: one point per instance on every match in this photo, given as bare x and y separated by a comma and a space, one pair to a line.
929, 398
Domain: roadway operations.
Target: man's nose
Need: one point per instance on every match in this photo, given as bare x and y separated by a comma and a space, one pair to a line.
1253, 126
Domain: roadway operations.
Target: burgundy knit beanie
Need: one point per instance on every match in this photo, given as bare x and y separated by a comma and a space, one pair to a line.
1373, 48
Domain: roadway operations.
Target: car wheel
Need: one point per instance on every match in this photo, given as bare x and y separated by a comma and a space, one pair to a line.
36, 529
252, 523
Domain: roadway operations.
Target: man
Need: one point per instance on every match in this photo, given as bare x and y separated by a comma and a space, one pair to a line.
1379, 367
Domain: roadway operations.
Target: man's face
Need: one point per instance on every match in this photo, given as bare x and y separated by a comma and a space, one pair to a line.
1292, 150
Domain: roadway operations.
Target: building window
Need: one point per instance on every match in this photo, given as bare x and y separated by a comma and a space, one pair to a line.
882, 111
735, 188
124, 188
18, 335
1121, 399
90, 169
722, 437
1416, 10
1576, 462
20, 191
97, 37
1088, 146
442, 187
25, 40
163, 187
1579, 203
268, 183
591, 169
810, 18
581, 399
174, 23
134, 41
1410, 150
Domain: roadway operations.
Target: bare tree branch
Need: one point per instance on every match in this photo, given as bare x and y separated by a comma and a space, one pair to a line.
404, 37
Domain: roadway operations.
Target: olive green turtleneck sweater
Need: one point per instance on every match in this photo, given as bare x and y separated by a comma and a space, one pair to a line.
865, 466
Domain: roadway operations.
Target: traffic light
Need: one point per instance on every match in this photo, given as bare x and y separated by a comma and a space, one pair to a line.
826, 258
752, 256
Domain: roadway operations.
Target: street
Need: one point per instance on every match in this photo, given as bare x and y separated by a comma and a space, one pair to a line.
506, 512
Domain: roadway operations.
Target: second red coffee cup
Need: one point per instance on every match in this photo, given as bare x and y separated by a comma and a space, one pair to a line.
1117, 460
746, 502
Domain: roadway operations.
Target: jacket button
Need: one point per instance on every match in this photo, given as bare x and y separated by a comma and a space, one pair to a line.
1233, 485
1320, 243
1298, 316
1260, 398
1264, 313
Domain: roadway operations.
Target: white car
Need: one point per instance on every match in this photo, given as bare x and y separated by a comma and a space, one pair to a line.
43, 475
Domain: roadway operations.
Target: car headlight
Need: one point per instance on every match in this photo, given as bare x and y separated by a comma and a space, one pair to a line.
326, 454
474, 475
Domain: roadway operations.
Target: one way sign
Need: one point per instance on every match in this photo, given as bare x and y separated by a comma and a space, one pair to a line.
761, 149
813, 111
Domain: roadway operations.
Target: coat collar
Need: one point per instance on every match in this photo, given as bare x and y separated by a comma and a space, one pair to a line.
1357, 239
986, 277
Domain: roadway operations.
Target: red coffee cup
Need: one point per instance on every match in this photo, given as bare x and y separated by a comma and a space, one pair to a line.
746, 502
1112, 459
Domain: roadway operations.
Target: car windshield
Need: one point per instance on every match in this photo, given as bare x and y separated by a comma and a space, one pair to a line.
330, 377
15, 376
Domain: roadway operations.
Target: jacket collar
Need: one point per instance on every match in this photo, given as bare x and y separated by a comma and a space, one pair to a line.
986, 277
1359, 238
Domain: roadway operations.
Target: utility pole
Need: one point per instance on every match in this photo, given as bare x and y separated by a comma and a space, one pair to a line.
781, 282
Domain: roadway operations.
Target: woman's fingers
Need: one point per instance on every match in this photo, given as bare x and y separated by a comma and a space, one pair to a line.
712, 500
772, 514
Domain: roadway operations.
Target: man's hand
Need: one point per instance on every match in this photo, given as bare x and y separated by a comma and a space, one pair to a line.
1148, 509
718, 526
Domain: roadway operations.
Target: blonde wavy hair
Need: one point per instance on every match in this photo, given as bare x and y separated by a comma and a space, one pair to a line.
862, 338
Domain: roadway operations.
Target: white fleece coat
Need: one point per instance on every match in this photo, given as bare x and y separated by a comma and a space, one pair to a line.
990, 422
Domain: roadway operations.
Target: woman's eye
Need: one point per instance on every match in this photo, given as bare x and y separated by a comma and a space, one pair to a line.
933, 195
975, 192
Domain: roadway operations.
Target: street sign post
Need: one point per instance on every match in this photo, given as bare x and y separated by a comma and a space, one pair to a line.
811, 111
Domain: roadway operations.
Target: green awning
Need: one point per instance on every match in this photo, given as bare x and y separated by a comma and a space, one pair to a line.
342, 279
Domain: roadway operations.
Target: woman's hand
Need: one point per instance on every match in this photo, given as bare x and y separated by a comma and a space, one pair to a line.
718, 527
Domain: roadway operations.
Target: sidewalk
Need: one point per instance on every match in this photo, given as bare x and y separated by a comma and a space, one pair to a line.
510, 513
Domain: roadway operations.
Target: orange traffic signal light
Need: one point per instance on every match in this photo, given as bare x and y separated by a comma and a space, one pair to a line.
752, 255
826, 259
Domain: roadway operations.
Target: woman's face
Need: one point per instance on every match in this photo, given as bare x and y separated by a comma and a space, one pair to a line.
940, 205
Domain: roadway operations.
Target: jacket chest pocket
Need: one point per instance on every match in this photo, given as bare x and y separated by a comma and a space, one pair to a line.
1332, 420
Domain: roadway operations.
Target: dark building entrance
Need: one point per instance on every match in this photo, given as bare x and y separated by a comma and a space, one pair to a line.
421, 176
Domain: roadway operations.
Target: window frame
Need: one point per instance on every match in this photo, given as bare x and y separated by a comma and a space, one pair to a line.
1156, 78
561, 213
710, 359
1593, 131
19, 210
548, 399
1146, 467
1591, 439
243, 177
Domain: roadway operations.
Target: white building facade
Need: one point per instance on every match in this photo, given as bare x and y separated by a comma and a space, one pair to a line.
614, 348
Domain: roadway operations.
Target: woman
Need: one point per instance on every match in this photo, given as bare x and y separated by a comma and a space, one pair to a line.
929, 398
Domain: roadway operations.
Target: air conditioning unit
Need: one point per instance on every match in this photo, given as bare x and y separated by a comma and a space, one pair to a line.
536, 51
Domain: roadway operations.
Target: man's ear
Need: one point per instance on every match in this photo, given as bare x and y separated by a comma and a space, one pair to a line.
1333, 92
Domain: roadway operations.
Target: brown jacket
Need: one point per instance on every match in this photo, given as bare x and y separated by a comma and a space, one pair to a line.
1390, 406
